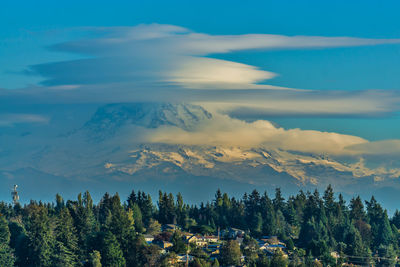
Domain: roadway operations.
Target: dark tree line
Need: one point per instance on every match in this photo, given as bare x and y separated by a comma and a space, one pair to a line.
110, 233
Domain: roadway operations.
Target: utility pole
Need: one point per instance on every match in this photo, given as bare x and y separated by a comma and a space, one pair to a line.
187, 255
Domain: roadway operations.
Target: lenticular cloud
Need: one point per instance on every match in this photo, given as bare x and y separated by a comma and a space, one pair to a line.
171, 54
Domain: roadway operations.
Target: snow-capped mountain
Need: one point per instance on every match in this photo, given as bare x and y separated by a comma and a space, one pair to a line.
253, 165
102, 152
258, 166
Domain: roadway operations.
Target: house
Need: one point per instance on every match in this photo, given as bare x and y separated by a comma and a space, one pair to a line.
211, 239
213, 247
164, 244
184, 258
272, 240
335, 255
202, 242
198, 240
233, 233
212, 250
148, 238
192, 239
215, 252
262, 244
276, 247
186, 236
273, 249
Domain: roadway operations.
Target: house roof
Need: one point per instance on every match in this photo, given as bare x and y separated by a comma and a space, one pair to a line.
276, 246
236, 229
148, 236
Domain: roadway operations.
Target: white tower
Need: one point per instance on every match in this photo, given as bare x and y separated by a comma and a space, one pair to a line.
14, 195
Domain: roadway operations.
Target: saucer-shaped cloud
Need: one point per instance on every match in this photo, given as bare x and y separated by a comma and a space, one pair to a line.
172, 54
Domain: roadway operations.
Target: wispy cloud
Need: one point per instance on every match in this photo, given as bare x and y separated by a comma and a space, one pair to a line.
10, 119
384, 147
223, 130
307, 103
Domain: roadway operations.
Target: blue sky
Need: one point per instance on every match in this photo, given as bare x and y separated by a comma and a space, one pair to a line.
31, 26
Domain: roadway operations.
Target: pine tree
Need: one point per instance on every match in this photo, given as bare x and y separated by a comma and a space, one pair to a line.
63, 256
19, 243
171, 210
278, 260
166, 208
218, 198
386, 236
66, 240
380, 226
150, 255
215, 263
4, 231
135, 251
268, 213
278, 200
7, 257
388, 255
291, 213
95, 259
230, 253
179, 245
250, 250
329, 200
396, 219
110, 250
132, 199
357, 209
180, 210
154, 227
119, 222
263, 261
137, 218
84, 222
146, 206
60, 204
41, 241
257, 224
355, 246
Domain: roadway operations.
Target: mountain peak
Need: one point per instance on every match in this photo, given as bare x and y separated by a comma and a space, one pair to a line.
109, 118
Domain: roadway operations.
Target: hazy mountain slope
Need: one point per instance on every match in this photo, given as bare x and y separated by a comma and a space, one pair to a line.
109, 119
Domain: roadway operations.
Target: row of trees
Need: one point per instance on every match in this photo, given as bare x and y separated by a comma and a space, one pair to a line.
359, 232
110, 233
